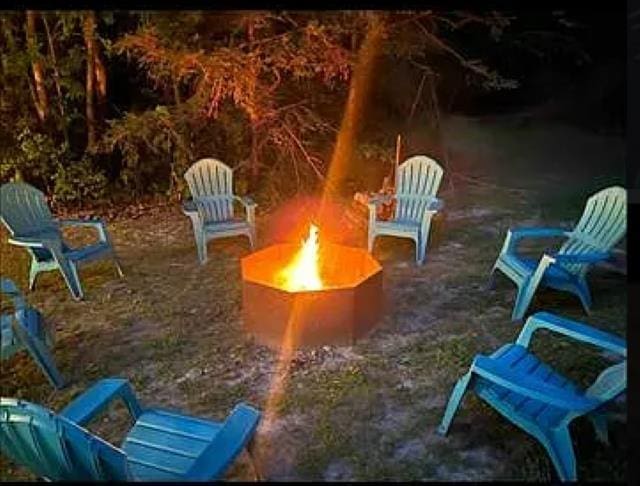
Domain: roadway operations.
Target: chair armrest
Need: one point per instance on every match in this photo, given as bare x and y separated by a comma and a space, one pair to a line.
559, 397
189, 206
94, 400
234, 435
378, 199
9, 288
373, 202
436, 204
93, 222
26, 241
582, 258
519, 233
514, 235
249, 207
573, 329
246, 201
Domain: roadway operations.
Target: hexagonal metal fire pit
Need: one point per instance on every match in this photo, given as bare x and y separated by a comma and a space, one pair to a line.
346, 308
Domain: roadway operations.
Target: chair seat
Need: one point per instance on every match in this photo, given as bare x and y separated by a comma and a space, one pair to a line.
162, 445
526, 266
234, 225
521, 361
397, 226
74, 254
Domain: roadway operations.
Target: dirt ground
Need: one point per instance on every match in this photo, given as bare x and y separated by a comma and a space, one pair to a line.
369, 411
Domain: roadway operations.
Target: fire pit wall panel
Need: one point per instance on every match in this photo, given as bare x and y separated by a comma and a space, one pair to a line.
346, 309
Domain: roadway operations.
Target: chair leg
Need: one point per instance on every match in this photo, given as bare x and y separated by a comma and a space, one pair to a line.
491, 282
252, 239
454, 402
33, 274
585, 296
251, 450
44, 360
599, 421
421, 250
116, 262
560, 450
201, 246
40, 354
523, 300
71, 278
370, 240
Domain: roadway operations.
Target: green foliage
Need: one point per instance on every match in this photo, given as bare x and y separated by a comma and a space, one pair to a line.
41, 161
263, 91
78, 182
36, 159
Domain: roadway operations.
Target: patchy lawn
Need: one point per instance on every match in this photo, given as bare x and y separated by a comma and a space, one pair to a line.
364, 412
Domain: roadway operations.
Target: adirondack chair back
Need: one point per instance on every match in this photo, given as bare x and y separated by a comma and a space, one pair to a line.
24, 210
211, 182
55, 448
610, 383
601, 227
417, 180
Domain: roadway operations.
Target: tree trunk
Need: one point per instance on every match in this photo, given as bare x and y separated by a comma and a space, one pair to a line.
88, 30
56, 78
101, 81
41, 100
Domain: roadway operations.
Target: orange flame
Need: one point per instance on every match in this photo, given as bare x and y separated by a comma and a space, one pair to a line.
302, 273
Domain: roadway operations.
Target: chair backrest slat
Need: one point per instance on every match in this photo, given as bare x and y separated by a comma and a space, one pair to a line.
212, 179
55, 448
417, 179
602, 225
24, 210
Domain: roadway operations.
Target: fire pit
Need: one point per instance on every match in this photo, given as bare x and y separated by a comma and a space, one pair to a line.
329, 294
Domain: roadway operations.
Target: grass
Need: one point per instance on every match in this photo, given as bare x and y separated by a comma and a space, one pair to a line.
174, 328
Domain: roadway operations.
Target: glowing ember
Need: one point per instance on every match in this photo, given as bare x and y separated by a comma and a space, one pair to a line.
302, 273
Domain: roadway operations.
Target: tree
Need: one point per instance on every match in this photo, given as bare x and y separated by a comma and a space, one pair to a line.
282, 73
39, 94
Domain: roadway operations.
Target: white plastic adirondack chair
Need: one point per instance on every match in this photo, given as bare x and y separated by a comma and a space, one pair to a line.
417, 182
602, 225
211, 209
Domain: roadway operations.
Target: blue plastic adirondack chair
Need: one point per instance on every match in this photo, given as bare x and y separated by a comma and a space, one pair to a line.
160, 446
211, 209
535, 397
602, 225
24, 211
417, 181
24, 329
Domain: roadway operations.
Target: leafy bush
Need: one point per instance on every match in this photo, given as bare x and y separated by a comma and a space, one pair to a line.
39, 160
35, 159
79, 182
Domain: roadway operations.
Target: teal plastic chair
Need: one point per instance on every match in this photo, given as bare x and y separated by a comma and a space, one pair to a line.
160, 446
417, 183
211, 208
602, 225
535, 397
24, 330
24, 211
